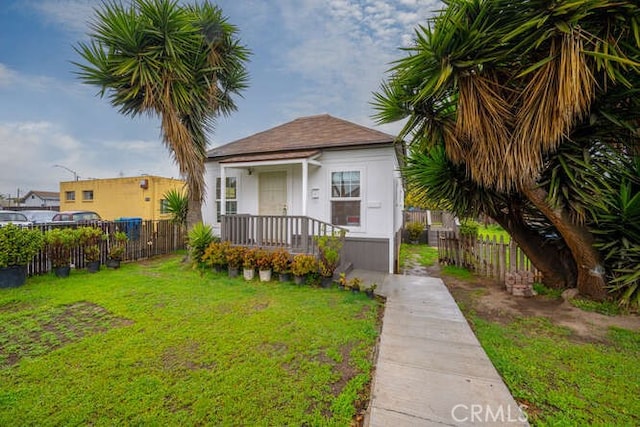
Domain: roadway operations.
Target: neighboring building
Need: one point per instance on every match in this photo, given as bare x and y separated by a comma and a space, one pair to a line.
41, 199
320, 167
113, 198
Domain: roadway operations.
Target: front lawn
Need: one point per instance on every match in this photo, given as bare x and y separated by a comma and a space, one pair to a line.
158, 343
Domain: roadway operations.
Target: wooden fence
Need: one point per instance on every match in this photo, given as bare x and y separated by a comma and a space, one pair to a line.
146, 239
484, 256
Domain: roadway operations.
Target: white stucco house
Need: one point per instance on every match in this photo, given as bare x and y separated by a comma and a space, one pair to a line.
308, 174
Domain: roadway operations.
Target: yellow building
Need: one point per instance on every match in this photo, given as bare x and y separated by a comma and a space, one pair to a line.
113, 198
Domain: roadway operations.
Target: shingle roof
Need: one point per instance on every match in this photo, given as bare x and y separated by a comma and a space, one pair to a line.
312, 132
45, 195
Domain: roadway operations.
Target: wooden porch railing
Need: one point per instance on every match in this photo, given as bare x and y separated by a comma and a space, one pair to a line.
294, 233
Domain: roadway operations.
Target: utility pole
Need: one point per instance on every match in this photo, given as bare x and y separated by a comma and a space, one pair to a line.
75, 174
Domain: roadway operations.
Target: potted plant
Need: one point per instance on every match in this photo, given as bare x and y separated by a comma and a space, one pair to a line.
342, 281
355, 284
235, 256
249, 263
282, 264
58, 244
90, 240
264, 262
117, 249
370, 290
329, 247
215, 255
303, 265
18, 246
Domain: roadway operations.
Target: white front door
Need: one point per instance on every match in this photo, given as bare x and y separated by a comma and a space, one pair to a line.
272, 199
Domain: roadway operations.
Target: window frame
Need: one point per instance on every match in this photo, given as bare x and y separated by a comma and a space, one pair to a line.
359, 198
71, 193
86, 193
230, 201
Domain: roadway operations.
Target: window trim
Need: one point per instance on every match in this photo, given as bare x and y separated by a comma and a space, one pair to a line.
360, 198
86, 193
218, 194
71, 193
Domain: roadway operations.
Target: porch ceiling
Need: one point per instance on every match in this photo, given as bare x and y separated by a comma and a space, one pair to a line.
290, 155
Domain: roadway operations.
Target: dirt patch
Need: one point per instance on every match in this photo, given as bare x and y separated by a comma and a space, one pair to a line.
36, 334
489, 300
184, 358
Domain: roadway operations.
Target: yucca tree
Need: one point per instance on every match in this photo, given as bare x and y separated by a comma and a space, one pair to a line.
503, 85
182, 64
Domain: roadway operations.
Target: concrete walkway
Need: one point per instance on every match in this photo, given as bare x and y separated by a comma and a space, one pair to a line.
430, 368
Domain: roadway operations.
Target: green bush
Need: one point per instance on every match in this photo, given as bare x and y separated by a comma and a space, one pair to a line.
200, 236
58, 243
414, 230
469, 229
19, 245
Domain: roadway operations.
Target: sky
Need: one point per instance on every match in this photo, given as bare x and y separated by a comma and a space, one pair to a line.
308, 57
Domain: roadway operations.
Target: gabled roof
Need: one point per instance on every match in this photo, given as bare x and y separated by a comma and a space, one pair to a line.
312, 132
44, 195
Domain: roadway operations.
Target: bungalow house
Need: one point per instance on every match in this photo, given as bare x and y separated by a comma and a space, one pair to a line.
305, 177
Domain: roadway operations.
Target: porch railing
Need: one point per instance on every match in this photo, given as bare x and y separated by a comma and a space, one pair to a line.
294, 233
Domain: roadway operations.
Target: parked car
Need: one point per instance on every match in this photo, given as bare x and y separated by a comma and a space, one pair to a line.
13, 217
39, 216
76, 216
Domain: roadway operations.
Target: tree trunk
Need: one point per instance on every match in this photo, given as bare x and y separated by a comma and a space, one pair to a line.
556, 264
194, 214
590, 280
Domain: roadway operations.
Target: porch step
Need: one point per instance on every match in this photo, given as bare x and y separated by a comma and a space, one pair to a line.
343, 268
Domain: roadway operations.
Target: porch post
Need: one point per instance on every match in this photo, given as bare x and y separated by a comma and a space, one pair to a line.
305, 184
223, 190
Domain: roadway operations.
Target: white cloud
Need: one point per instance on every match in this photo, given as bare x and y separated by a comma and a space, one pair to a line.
71, 14
344, 48
31, 149
7, 76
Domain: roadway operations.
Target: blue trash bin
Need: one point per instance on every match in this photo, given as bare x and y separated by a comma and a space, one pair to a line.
130, 226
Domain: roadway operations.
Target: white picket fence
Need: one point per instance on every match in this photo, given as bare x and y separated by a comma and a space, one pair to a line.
484, 256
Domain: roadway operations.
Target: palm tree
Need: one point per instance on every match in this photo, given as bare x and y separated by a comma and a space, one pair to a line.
503, 85
182, 64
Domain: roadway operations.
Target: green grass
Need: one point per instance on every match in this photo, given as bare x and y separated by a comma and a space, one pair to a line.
609, 308
425, 255
550, 293
563, 382
160, 344
492, 231
457, 272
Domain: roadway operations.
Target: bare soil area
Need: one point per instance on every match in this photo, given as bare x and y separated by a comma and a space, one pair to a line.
488, 299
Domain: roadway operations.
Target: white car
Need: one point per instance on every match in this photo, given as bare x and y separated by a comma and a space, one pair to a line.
13, 217
39, 216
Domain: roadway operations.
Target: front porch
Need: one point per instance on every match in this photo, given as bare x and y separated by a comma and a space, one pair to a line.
295, 233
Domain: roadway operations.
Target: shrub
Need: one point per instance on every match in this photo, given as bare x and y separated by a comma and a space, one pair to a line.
19, 245
264, 259
329, 247
469, 229
200, 236
249, 258
304, 264
414, 230
117, 245
58, 243
235, 256
281, 261
89, 238
215, 255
